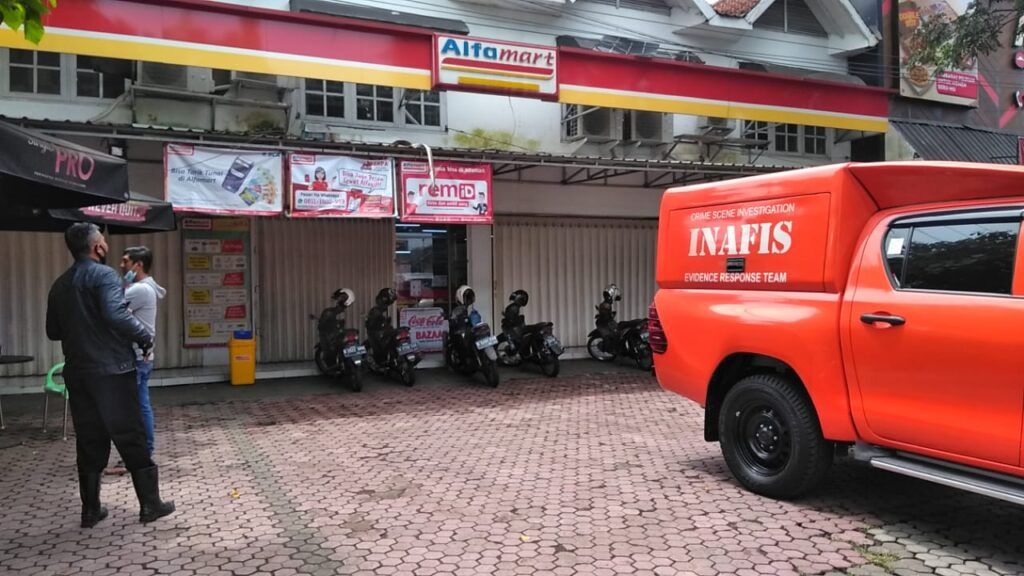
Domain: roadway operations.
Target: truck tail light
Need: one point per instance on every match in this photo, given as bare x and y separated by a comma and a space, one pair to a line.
658, 340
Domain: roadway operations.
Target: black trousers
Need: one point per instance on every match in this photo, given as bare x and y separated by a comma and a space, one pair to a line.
103, 409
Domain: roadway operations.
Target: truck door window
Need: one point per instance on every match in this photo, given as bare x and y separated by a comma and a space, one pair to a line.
976, 256
895, 254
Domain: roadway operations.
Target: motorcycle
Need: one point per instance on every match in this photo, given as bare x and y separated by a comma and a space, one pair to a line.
521, 342
469, 345
392, 351
611, 339
338, 353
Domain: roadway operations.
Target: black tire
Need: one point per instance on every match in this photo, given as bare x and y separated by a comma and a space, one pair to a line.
550, 366
355, 377
644, 358
321, 363
407, 373
490, 370
771, 438
593, 348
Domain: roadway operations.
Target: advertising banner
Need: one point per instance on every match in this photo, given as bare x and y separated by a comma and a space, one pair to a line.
956, 86
461, 193
427, 327
338, 186
223, 181
217, 289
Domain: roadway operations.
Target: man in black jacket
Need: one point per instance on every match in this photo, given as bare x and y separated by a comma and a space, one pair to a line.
88, 313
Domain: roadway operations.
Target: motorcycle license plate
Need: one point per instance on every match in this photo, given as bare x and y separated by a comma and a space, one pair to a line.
407, 348
355, 351
486, 342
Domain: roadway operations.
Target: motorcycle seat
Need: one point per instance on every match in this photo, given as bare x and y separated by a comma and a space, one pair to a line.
627, 324
531, 328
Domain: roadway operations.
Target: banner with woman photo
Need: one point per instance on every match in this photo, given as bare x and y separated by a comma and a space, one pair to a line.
323, 185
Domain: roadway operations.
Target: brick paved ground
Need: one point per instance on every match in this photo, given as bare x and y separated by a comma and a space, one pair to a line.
590, 474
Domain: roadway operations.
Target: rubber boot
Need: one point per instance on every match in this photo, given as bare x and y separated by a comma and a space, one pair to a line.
89, 489
147, 488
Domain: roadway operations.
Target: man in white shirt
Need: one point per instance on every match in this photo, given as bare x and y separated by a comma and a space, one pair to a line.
143, 294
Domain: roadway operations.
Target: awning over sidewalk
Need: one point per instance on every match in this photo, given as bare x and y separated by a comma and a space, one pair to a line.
41, 171
959, 143
567, 169
140, 214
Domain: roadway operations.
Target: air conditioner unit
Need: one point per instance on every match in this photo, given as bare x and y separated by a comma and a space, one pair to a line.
650, 127
175, 77
717, 126
595, 125
255, 78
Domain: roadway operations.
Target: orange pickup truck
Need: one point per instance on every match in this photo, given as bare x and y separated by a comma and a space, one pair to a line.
873, 306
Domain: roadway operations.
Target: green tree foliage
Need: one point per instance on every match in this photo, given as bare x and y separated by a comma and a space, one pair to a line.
27, 14
947, 44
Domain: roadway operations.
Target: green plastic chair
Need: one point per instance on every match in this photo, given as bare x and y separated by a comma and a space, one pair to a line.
55, 385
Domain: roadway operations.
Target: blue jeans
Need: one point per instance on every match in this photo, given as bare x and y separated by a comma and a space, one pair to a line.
143, 371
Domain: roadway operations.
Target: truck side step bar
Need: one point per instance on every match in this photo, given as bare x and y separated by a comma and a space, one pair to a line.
986, 483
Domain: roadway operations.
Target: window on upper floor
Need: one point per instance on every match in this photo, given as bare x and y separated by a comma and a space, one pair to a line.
788, 138
373, 105
791, 16
325, 98
32, 72
26, 73
102, 77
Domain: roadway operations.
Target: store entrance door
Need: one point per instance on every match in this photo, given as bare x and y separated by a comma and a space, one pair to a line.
430, 264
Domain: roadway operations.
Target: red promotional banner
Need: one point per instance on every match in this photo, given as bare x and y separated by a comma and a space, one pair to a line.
461, 193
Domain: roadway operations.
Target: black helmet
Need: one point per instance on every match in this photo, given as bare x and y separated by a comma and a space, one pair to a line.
465, 296
344, 296
520, 298
386, 297
612, 293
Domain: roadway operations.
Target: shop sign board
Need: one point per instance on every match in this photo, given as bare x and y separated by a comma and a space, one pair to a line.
217, 288
496, 67
460, 194
956, 86
427, 327
223, 181
323, 185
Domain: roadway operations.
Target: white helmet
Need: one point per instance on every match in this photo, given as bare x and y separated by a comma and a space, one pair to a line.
465, 295
345, 296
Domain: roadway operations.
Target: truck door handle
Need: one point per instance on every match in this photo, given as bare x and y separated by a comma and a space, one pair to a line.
883, 319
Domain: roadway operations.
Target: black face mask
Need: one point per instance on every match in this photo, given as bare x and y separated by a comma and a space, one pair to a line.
102, 257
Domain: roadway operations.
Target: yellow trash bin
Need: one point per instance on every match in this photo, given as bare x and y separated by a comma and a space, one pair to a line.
242, 351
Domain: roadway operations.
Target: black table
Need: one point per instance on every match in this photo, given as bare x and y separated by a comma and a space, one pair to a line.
10, 360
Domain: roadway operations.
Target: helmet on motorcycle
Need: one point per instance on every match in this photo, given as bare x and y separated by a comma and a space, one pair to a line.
520, 297
612, 293
344, 296
386, 297
465, 296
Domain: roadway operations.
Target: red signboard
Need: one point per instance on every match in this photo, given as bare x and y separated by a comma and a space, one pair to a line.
460, 193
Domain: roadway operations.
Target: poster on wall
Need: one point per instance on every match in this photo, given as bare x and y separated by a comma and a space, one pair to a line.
956, 86
217, 289
223, 181
461, 194
338, 186
427, 327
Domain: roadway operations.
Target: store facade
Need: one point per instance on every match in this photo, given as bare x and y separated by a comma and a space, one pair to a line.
270, 225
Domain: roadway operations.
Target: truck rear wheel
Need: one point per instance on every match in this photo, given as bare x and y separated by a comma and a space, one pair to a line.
771, 438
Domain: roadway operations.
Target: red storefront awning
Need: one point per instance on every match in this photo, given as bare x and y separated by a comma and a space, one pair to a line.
233, 37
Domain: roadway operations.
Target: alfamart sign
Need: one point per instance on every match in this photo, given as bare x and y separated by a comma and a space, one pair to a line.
476, 64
